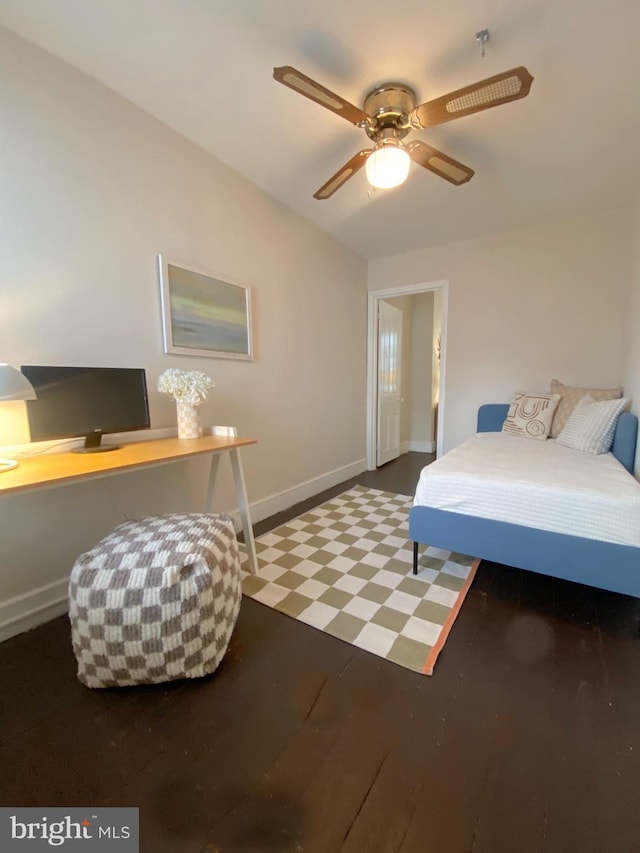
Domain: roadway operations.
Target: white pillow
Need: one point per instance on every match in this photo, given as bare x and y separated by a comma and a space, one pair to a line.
592, 424
530, 415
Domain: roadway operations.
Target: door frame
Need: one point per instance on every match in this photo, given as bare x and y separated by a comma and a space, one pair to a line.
372, 358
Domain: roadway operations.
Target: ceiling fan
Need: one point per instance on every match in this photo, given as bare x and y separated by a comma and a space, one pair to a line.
390, 113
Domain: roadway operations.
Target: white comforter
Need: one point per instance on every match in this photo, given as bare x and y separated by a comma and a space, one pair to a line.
537, 484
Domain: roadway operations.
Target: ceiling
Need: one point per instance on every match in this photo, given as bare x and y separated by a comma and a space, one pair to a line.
205, 69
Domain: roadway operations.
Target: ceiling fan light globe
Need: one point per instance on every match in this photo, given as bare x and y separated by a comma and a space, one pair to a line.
387, 167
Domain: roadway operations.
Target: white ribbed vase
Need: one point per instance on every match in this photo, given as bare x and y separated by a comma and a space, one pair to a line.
189, 424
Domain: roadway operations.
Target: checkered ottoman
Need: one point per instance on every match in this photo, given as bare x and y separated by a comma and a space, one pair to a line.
155, 600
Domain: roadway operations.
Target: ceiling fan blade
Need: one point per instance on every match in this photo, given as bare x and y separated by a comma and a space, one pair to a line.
310, 89
500, 89
342, 175
438, 163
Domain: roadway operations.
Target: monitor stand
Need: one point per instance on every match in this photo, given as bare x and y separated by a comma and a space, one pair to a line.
92, 444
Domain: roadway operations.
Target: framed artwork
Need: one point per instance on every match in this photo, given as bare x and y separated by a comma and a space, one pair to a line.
203, 314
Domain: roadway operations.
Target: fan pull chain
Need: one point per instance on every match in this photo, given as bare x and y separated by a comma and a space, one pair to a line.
482, 37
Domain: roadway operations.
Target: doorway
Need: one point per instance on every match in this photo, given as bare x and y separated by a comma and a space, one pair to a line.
377, 369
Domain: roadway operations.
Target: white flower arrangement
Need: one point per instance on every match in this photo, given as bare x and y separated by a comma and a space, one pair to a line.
185, 386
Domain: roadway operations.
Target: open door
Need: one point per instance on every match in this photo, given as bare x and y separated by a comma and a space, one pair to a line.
380, 380
389, 361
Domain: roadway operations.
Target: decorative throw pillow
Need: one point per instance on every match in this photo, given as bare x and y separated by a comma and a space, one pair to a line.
572, 396
530, 415
592, 424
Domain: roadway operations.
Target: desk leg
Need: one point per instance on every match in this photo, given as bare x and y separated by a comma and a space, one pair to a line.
243, 505
213, 473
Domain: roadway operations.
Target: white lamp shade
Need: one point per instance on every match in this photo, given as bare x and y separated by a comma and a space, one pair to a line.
387, 167
13, 385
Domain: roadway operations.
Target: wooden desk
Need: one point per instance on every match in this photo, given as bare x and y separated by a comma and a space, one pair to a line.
57, 469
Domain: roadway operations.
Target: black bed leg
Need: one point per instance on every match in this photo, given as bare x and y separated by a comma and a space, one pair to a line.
415, 558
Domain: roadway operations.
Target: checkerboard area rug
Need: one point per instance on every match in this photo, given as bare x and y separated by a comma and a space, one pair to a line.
345, 568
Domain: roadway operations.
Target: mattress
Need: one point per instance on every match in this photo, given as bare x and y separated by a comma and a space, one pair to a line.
539, 484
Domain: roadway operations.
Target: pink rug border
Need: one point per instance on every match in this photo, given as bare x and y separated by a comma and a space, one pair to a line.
451, 618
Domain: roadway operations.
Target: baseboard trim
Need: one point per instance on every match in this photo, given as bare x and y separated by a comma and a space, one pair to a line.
37, 606
266, 507
32, 608
417, 447
422, 446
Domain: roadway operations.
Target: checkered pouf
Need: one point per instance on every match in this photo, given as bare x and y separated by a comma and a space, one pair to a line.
155, 600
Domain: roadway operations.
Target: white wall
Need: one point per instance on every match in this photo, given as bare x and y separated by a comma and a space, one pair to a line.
540, 302
632, 355
92, 190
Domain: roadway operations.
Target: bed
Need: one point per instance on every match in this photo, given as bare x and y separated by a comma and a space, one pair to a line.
527, 528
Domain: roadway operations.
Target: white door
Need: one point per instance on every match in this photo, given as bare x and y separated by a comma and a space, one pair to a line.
389, 360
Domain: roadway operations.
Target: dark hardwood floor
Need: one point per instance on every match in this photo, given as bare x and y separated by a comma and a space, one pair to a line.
526, 739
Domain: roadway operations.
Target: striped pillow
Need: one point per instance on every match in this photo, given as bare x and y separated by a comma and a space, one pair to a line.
592, 424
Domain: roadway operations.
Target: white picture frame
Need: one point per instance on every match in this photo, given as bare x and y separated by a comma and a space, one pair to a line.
204, 314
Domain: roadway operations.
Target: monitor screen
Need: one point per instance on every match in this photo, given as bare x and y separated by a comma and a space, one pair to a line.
86, 401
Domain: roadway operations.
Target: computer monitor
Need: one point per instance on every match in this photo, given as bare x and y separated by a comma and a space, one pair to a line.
86, 401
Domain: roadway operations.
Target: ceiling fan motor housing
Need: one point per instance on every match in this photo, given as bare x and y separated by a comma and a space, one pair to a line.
389, 107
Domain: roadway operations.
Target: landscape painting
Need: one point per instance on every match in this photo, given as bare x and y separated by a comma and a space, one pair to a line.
203, 315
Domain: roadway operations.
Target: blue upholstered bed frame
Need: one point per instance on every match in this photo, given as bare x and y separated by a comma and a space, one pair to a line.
588, 561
